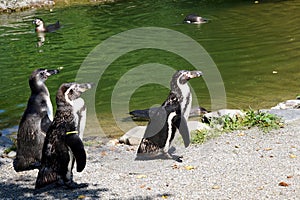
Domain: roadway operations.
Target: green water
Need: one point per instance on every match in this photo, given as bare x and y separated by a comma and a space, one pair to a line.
256, 48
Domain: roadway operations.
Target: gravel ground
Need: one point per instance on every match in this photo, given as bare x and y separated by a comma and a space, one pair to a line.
239, 165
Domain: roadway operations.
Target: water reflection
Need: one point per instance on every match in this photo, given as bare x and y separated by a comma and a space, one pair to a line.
41, 39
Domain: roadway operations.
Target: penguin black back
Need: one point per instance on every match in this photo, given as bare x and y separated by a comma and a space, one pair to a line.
62, 144
34, 123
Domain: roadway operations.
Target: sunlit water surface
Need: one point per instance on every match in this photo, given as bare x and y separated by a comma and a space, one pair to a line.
256, 48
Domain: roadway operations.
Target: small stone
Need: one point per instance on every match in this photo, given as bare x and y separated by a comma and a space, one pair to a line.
293, 156
215, 187
284, 184
241, 134
268, 149
11, 154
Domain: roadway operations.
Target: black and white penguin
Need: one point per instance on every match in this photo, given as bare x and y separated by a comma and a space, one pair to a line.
63, 143
40, 26
194, 19
34, 123
171, 115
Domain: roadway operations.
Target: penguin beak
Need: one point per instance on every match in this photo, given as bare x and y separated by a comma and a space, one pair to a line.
194, 74
85, 86
52, 72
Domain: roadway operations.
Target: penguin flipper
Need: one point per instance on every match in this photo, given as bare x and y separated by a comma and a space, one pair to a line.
74, 142
45, 124
181, 125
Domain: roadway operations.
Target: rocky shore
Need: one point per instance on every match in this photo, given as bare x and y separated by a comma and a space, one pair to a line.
9, 6
245, 164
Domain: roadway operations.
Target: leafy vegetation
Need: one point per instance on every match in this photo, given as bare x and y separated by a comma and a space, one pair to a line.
263, 120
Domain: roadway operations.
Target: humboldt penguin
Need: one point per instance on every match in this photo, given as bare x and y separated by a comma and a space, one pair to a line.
40, 26
34, 122
194, 19
63, 143
171, 115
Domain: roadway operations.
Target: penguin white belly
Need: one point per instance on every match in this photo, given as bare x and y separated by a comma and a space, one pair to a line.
79, 112
169, 121
186, 103
49, 108
69, 174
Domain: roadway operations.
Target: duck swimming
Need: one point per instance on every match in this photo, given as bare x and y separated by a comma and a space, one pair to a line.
194, 19
41, 28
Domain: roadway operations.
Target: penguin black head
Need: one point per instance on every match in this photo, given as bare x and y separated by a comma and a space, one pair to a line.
39, 25
194, 19
68, 92
38, 22
39, 76
183, 76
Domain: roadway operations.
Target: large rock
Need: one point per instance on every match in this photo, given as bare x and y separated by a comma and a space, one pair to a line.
289, 104
134, 135
288, 115
223, 112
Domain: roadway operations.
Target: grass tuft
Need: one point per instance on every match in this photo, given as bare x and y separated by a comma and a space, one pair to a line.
263, 120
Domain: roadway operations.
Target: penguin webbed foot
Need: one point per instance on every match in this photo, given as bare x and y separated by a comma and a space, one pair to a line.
74, 185
177, 158
19, 166
171, 152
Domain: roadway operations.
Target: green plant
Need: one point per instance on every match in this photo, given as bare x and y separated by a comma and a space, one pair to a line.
263, 120
232, 123
199, 136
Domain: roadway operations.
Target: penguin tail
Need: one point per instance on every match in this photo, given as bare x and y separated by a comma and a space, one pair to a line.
147, 146
20, 164
46, 176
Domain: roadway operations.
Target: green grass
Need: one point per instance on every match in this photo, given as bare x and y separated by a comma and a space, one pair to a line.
263, 120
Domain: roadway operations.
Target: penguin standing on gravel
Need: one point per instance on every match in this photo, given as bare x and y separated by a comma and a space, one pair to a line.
171, 115
34, 123
63, 143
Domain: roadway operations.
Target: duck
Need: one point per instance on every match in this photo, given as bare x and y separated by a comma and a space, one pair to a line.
40, 26
194, 19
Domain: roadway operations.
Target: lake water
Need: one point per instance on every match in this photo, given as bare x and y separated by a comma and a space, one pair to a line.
255, 47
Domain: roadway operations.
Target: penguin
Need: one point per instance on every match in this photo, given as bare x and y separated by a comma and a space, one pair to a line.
194, 19
40, 26
34, 122
63, 143
170, 116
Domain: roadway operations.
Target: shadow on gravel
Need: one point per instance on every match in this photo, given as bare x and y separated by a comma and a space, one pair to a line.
160, 196
18, 191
